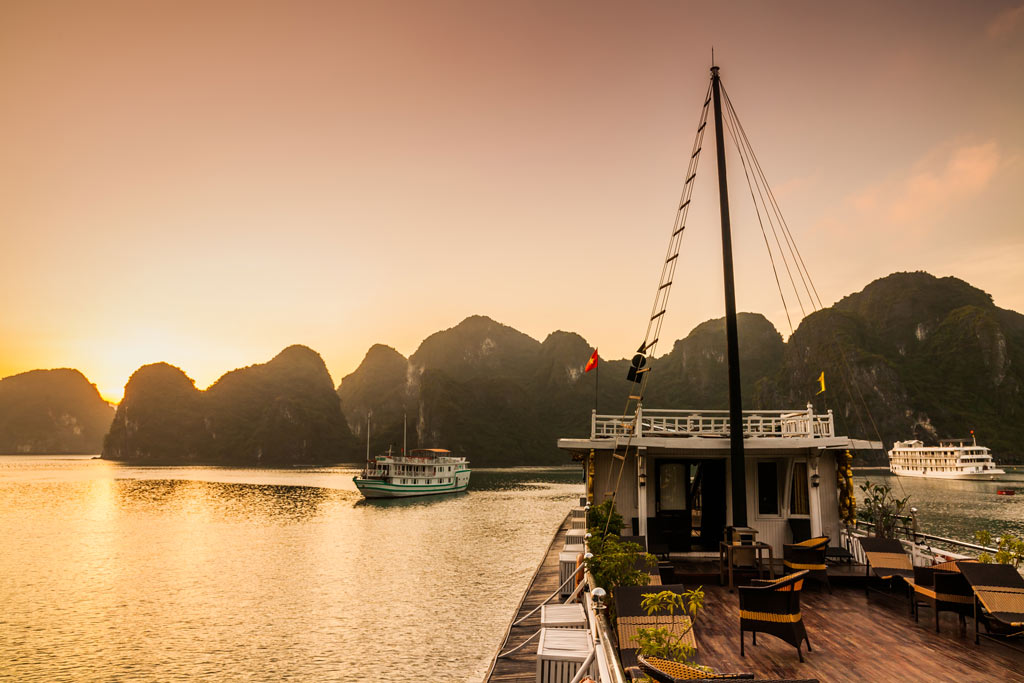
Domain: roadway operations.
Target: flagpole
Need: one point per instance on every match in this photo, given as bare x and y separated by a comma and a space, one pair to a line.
597, 382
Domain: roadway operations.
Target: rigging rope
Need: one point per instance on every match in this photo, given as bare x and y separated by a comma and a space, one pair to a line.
646, 351
747, 155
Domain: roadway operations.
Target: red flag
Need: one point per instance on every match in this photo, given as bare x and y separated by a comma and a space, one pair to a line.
592, 363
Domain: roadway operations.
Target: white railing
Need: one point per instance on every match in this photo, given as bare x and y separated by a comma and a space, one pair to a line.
713, 423
925, 549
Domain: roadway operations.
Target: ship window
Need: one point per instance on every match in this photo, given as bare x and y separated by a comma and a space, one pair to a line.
798, 498
768, 487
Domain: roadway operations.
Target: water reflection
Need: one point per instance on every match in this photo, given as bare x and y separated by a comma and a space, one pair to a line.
225, 501
122, 573
955, 509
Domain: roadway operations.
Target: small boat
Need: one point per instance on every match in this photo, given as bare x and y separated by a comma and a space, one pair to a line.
420, 472
1006, 492
951, 459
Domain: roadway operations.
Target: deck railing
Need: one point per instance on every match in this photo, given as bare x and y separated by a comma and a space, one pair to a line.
924, 549
713, 423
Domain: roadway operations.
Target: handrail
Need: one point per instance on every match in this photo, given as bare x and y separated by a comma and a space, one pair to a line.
912, 535
922, 554
665, 422
604, 643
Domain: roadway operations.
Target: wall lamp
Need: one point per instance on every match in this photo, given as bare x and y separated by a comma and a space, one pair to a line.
815, 480
643, 479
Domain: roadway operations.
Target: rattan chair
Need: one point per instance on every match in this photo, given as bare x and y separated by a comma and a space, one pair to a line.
999, 599
809, 555
667, 671
772, 606
944, 589
887, 562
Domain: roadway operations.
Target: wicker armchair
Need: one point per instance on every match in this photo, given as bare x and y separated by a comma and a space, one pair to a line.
809, 555
773, 607
944, 589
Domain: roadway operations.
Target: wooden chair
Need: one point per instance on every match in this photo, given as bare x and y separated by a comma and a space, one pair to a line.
809, 555
773, 606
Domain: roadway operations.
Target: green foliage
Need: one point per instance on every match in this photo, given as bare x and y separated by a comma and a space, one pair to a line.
1009, 548
598, 519
882, 508
660, 641
617, 563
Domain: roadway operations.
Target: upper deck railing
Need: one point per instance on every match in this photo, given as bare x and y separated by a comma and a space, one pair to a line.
713, 423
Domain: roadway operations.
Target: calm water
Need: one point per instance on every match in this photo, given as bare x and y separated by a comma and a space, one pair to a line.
956, 509
127, 573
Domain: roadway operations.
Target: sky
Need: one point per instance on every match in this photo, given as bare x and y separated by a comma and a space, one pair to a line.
205, 183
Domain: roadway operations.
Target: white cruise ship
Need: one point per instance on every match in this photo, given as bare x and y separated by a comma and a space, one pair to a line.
420, 472
951, 459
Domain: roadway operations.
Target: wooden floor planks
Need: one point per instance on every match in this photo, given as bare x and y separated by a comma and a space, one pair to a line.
854, 638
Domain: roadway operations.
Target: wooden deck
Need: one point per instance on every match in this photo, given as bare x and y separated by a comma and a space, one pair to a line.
522, 665
854, 639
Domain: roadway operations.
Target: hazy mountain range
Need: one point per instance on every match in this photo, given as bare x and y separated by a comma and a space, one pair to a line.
910, 355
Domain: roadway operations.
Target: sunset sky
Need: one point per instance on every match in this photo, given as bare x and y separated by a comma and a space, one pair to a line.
205, 183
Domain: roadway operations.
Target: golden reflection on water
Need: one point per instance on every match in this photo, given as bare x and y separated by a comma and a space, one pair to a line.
162, 574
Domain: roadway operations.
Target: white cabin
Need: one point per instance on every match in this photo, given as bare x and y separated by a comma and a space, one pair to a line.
678, 494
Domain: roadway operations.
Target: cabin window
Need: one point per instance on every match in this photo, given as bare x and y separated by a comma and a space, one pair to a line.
798, 499
768, 488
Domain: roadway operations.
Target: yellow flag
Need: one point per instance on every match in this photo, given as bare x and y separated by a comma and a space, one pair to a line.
821, 381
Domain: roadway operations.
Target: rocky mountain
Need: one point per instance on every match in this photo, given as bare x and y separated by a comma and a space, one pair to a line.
281, 412
500, 397
917, 356
910, 355
52, 411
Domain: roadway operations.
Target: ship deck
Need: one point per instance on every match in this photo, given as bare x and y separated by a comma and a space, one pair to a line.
855, 637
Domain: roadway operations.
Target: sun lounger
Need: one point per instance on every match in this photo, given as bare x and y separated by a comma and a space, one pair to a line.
667, 671
886, 561
999, 599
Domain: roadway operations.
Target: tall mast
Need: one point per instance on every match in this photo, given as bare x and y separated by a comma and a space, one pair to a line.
737, 461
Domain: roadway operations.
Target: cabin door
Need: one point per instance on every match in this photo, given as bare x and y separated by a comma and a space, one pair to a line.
689, 504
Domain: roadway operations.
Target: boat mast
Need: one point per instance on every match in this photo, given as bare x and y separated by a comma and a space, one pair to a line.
737, 462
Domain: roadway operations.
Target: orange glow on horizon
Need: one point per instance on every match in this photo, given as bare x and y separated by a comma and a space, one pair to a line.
188, 183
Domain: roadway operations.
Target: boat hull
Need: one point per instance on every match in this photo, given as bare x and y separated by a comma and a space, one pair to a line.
969, 476
376, 488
